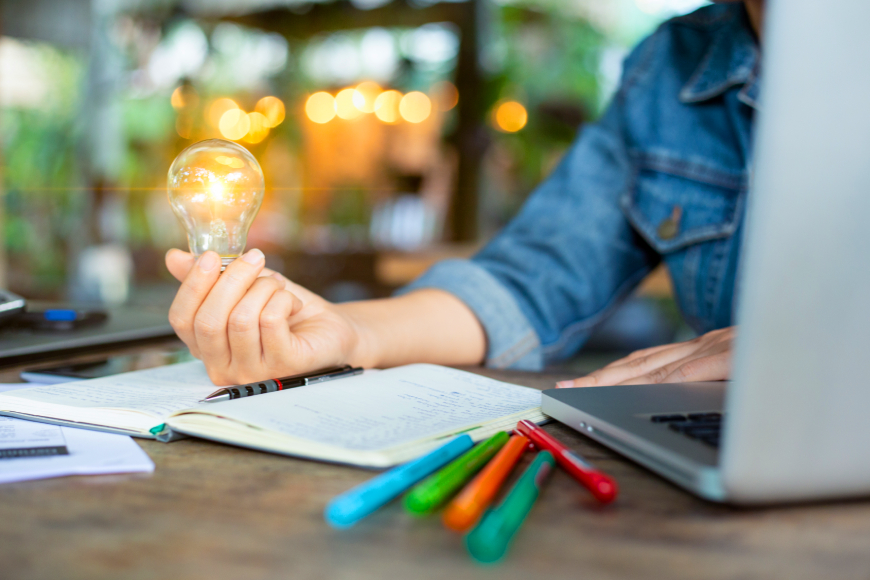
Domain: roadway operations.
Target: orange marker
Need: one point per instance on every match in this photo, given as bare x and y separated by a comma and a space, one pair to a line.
467, 507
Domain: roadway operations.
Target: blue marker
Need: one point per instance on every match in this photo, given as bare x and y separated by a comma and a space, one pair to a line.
352, 506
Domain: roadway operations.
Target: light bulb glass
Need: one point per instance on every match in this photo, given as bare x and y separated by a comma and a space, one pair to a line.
215, 188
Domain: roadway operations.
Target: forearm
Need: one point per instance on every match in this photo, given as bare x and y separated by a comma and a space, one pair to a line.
427, 325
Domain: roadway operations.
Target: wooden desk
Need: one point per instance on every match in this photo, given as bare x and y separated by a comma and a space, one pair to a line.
212, 511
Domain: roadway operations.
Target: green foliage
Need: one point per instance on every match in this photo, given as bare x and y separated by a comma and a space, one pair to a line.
41, 178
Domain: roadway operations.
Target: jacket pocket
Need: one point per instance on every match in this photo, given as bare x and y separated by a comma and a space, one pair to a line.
674, 203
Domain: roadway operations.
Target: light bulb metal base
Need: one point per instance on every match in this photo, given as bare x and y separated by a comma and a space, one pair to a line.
226, 262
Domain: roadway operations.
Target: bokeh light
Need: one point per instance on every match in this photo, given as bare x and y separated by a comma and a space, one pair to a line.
273, 109
177, 99
387, 106
344, 106
320, 107
364, 96
445, 95
184, 126
510, 116
217, 109
184, 96
415, 107
259, 127
234, 124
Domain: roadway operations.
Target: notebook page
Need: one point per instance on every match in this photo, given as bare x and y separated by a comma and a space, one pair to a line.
382, 410
157, 392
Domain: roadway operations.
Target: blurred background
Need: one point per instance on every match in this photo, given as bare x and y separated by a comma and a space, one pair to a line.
392, 133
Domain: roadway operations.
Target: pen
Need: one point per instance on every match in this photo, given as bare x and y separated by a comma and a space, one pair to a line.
491, 538
351, 506
430, 493
466, 508
274, 385
602, 486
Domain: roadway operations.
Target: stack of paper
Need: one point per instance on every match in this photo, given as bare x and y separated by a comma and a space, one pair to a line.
30, 450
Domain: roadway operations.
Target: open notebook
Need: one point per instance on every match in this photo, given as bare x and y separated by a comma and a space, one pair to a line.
375, 419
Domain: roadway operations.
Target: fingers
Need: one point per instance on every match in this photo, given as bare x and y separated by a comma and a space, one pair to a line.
667, 363
639, 354
709, 367
210, 322
193, 291
243, 325
634, 367
179, 263
277, 340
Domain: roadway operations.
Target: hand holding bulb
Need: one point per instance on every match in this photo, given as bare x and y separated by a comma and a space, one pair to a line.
215, 188
251, 323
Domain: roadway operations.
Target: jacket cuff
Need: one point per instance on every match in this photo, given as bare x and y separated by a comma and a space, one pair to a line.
511, 340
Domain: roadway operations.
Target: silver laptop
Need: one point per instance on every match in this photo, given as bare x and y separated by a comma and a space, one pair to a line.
794, 422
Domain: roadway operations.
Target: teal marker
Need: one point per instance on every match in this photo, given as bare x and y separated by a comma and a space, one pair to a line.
351, 506
489, 541
429, 494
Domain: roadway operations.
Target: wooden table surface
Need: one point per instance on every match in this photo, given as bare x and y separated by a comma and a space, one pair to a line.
214, 511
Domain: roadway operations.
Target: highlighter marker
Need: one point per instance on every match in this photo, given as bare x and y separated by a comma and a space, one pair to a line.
489, 541
602, 486
467, 507
429, 494
355, 504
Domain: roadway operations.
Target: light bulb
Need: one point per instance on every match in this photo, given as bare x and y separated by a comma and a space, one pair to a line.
215, 188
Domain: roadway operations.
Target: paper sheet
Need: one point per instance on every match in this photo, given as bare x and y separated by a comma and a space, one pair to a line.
6, 387
382, 410
158, 392
89, 452
29, 439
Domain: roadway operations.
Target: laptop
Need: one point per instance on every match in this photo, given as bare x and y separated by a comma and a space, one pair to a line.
793, 424
122, 327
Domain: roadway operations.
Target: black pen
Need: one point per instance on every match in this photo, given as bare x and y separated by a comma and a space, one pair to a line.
274, 385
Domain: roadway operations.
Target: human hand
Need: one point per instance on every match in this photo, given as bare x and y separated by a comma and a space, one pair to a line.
706, 358
249, 323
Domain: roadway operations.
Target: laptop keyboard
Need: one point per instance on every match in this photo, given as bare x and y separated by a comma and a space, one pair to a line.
705, 427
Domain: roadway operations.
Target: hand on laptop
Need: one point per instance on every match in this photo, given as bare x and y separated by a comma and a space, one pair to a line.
706, 358
251, 323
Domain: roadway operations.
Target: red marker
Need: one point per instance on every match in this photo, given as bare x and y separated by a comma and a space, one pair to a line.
602, 486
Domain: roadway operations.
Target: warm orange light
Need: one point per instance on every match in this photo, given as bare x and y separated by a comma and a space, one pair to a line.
415, 107
320, 107
259, 127
218, 108
177, 98
387, 106
344, 106
184, 126
273, 109
445, 95
233, 162
365, 95
510, 116
234, 124
184, 96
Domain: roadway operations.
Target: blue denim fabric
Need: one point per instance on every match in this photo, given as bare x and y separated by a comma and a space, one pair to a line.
661, 177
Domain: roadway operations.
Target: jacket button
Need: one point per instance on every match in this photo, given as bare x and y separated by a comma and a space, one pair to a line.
670, 226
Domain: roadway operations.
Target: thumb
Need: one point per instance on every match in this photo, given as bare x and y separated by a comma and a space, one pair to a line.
179, 263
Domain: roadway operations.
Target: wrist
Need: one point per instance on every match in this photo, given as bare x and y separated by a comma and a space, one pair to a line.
364, 350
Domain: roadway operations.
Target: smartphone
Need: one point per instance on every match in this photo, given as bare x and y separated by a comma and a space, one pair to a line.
104, 368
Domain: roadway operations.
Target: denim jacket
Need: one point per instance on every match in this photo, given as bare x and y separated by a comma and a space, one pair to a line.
661, 177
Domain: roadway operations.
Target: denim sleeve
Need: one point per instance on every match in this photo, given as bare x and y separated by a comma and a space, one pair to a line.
561, 265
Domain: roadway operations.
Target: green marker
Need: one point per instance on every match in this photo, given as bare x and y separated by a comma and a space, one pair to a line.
430, 493
489, 541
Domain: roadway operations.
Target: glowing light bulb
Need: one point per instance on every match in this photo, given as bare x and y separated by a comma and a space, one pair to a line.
215, 188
